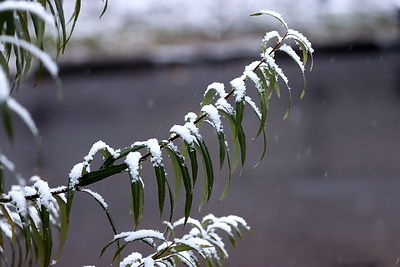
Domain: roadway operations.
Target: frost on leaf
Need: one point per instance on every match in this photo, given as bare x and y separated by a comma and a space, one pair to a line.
270, 62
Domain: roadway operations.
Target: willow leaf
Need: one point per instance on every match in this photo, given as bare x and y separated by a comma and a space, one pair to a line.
184, 174
137, 193
177, 173
46, 236
273, 14
37, 238
62, 205
161, 182
209, 172
74, 17
61, 18
239, 115
193, 161
7, 121
263, 98
105, 8
10, 221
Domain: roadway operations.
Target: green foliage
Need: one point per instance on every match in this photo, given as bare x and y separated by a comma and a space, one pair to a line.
32, 213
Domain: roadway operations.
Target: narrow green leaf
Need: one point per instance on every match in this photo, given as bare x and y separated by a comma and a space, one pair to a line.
74, 17
228, 183
110, 160
41, 249
239, 115
137, 194
62, 205
222, 148
263, 99
232, 240
7, 121
193, 162
98, 175
273, 14
184, 174
10, 221
232, 124
46, 236
105, 8
61, 18
161, 181
209, 172
177, 173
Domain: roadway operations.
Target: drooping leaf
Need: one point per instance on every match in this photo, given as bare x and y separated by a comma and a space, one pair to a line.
184, 174
62, 205
273, 14
161, 183
7, 121
209, 171
137, 194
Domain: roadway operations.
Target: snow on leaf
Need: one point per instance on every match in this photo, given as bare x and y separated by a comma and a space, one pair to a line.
253, 105
300, 37
155, 151
4, 86
31, 7
97, 196
240, 89
218, 87
42, 56
134, 259
270, 61
140, 234
184, 133
18, 199
75, 174
4, 161
24, 114
44, 192
289, 50
273, 14
133, 162
212, 113
249, 72
190, 117
224, 105
271, 34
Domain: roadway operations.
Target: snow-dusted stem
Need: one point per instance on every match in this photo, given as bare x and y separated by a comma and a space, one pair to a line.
101, 174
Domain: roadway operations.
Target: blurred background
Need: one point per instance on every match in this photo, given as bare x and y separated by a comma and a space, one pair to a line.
327, 193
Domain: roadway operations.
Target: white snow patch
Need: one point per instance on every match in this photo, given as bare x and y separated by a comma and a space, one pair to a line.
96, 147
224, 105
134, 259
140, 234
4, 86
18, 199
218, 87
240, 89
190, 117
75, 174
97, 196
155, 151
212, 113
184, 133
249, 72
44, 192
253, 105
133, 162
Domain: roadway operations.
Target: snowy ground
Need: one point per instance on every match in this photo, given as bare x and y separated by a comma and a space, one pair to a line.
174, 29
